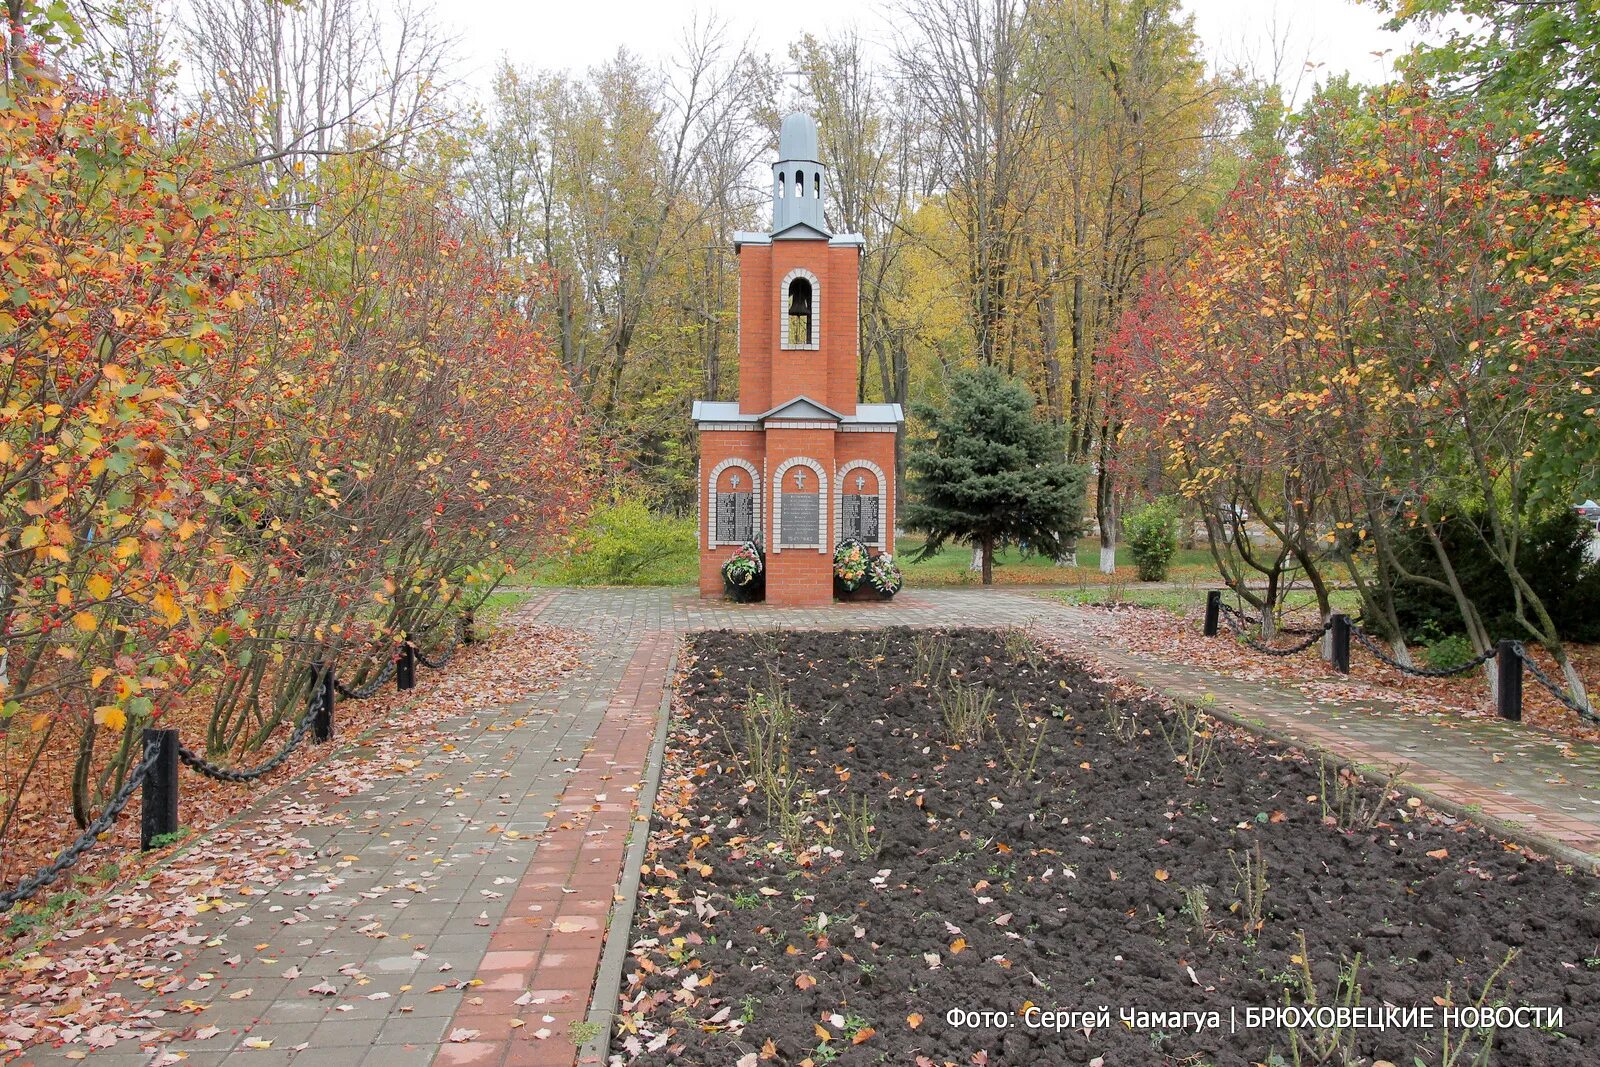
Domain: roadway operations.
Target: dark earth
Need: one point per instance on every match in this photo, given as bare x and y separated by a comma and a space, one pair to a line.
1064, 888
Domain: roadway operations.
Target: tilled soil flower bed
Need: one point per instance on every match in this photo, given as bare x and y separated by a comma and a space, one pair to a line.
873, 887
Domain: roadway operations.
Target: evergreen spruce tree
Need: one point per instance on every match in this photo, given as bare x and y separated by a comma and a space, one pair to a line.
992, 472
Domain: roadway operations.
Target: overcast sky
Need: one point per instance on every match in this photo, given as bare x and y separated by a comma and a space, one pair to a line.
1338, 35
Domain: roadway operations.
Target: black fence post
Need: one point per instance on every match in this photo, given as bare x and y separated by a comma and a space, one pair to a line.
467, 636
158, 806
322, 695
1213, 611
1509, 663
405, 671
1339, 651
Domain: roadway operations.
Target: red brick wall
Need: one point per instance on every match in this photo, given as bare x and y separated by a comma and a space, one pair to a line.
757, 320
801, 371
797, 576
716, 446
879, 449
840, 319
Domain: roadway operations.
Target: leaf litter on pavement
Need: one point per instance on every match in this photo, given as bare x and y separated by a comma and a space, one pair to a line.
146, 964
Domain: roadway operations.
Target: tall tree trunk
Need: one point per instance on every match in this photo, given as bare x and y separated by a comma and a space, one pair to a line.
1105, 506
988, 559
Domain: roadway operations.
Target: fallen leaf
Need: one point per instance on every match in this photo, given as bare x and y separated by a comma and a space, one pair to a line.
461, 1033
914, 1020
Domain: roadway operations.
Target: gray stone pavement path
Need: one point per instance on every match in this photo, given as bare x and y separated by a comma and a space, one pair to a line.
411, 879
431, 860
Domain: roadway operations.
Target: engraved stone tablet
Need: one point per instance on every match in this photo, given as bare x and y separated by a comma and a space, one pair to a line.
799, 520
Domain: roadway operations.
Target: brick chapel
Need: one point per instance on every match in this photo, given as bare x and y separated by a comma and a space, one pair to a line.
796, 464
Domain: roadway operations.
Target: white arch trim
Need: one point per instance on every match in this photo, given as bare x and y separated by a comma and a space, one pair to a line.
711, 495
816, 310
839, 485
777, 504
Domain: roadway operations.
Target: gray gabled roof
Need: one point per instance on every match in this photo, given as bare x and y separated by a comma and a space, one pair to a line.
800, 231
799, 408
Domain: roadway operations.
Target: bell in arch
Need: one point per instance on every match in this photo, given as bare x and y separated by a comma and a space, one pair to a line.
799, 312
800, 301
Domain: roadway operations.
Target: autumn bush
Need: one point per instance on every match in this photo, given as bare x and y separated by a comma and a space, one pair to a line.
234, 445
1386, 330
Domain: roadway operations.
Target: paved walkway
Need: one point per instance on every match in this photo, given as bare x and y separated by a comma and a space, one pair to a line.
457, 915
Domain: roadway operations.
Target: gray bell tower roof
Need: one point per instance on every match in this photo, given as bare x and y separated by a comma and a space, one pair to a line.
799, 181
797, 138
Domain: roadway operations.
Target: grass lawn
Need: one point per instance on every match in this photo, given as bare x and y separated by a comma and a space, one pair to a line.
1192, 568
1011, 567
1181, 601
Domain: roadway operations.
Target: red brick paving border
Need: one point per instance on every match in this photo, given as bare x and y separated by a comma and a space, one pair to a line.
546, 951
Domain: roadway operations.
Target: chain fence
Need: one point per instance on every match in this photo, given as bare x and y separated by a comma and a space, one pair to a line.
1556, 690
457, 631
1375, 648
70, 855
1272, 650
1372, 645
316, 707
371, 686
194, 761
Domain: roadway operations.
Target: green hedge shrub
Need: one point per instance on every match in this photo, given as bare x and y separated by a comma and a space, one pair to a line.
625, 543
1152, 535
1552, 558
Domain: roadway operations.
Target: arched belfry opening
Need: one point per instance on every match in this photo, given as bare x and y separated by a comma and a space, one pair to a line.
798, 331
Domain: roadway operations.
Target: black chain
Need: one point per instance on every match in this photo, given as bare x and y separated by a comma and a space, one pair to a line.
199, 763
1372, 646
372, 685
449, 652
1251, 619
1557, 691
1269, 650
87, 840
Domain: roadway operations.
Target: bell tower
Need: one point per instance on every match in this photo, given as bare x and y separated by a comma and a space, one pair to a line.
796, 463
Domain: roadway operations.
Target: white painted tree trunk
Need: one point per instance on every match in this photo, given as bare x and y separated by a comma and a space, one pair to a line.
977, 559
1575, 690
1401, 653
1108, 559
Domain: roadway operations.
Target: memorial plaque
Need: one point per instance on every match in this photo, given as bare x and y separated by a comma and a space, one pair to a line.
735, 517
860, 516
800, 520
